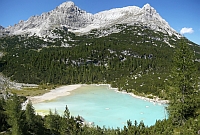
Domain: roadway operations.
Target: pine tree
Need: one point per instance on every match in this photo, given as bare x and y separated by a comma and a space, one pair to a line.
14, 114
64, 123
30, 118
66, 113
30, 114
184, 84
48, 121
3, 117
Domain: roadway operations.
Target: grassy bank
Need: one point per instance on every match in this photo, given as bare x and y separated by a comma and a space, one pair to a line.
33, 91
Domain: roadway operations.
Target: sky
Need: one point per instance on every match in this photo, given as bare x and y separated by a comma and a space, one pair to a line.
182, 15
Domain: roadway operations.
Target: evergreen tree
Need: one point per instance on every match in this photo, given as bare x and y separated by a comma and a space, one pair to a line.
3, 117
31, 124
184, 84
51, 122
66, 113
30, 114
14, 114
64, 122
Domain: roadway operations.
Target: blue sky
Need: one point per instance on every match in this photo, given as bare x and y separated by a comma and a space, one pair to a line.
180, 14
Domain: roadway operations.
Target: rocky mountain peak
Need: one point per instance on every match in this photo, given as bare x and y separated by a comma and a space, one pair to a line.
67, 8
150, 14
147, 6
67, 4
1, 27
148, 9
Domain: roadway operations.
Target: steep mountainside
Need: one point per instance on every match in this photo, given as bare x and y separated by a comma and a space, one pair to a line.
130, 48
79, 21
136, 59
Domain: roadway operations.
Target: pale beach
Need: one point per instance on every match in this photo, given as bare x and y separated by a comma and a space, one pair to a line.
55, 93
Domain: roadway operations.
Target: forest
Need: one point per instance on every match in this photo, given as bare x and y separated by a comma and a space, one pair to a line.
135, 63
138, 63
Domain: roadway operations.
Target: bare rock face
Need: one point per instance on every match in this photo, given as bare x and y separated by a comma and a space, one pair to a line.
77, 20
3, 32
153, 20
1, 27
66, 14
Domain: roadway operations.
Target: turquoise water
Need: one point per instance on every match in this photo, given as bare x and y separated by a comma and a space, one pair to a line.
105, 107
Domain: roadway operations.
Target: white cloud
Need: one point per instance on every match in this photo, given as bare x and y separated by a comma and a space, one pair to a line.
186, 30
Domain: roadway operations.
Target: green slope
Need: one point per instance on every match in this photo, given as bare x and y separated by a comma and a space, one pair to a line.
135, 59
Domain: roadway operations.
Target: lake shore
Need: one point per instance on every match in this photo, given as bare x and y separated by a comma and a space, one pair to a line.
154, 100
55, 93
65, 90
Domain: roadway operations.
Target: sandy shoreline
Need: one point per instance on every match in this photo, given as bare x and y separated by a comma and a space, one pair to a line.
57, 92
65, 90
155, 100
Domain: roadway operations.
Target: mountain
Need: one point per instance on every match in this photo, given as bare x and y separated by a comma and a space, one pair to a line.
3, 31
131, 15
134, 59
1, 27
76, 20
65, 14
130, 48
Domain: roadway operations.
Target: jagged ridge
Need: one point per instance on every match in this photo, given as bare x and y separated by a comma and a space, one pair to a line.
79, 21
